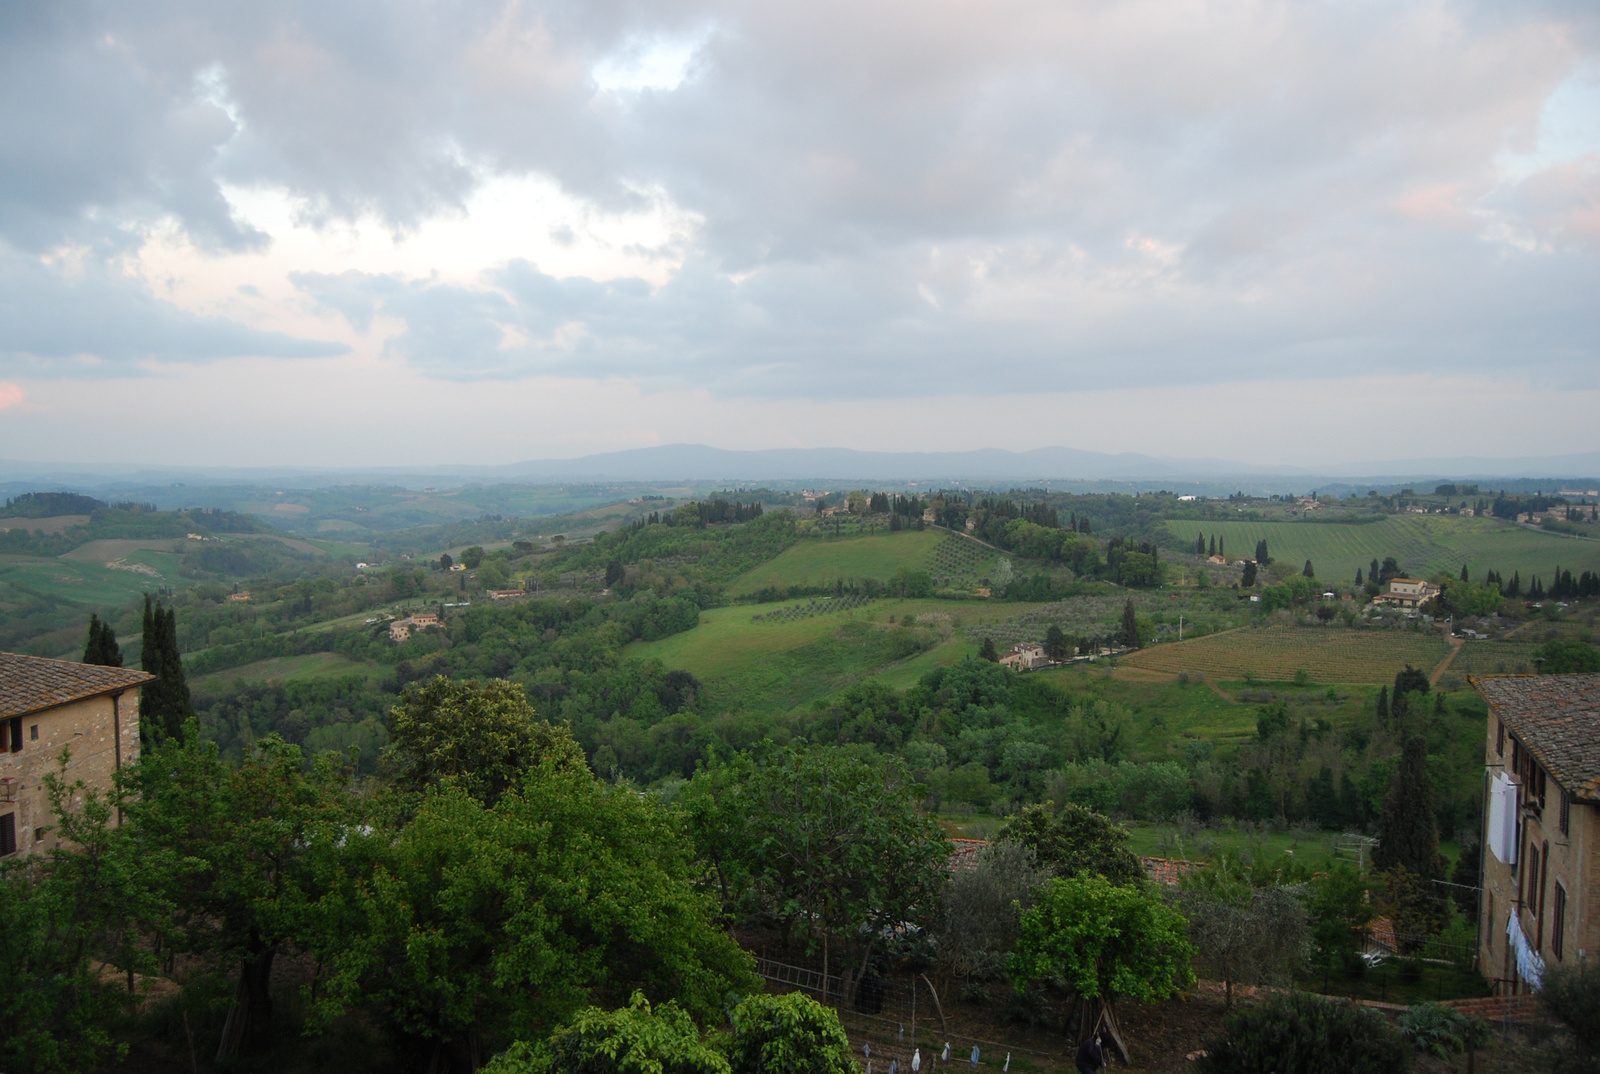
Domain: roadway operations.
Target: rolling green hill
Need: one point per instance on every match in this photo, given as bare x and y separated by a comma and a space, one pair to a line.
821, 562
1423, 544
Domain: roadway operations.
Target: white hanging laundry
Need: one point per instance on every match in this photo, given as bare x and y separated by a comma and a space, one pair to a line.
916, 1061
974, 1055
1007, 1068
945, 1055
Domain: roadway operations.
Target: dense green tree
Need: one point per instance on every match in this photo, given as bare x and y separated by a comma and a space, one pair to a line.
67, 909
1358, 576
481, 734
1249, 578
1381, 713
615, 572
836, 842
787, 1034
256, 842
1106, 941
1262, 556
472, 558
1408, 833
474, 922
1129, 635
164, 705
1307, 571
636, 1039
1339, 902
1243, 934
1056, 645
1564, 656
1073, 840
1464, 575
101, 647
987, 651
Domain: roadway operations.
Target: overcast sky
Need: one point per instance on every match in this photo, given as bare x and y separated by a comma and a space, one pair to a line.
400, 231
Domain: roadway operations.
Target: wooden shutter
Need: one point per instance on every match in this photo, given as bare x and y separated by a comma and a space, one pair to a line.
1558, 920
8, 834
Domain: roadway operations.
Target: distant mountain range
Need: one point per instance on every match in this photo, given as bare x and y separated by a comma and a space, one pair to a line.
698, 463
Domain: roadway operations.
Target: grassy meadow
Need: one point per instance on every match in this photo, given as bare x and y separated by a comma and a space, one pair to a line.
1423, 545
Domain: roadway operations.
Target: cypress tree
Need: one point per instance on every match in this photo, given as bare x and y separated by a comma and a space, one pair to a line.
1307, 571
1249, 578
1382, 716
1130, 626
1464, 577
165, 703
1516, 585
1200, 544
1408, 832
101, 647
1261, 551
1358, 576
1373, 575
986, 651
1222, 545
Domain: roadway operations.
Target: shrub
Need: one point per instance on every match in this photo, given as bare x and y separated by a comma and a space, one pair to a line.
793, 1032
1428, 1027
1572, 994
1307, 1035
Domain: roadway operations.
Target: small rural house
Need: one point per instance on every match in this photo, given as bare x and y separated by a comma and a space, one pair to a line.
400, 629
1408, 593
1025, 657
48, 705
1541, 847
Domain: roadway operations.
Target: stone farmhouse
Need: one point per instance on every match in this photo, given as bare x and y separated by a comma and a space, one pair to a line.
1408, 593
1541, 855
400, 629
1025, 657
49, 705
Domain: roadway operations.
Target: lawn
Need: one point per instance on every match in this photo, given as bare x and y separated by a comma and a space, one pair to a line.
1329, 654
821, 562
1423, 545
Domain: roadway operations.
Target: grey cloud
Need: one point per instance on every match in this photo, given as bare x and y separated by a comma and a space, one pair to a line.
895, 200
96, 322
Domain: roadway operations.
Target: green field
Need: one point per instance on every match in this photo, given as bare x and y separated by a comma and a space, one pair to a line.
283, 668
1329, 654
1423, 545
822, 562
776, 666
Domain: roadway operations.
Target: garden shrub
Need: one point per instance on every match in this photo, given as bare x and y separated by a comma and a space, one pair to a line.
1307, 1035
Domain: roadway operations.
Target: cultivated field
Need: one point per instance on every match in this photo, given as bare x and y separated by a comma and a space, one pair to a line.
283, 668
1423, 545
1328, 654
823, 561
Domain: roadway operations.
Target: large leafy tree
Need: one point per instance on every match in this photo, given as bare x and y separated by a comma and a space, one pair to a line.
1073, 840
482, 735
1243, 934
476, 920
66, 910
833, 840
258, 843
1106, 940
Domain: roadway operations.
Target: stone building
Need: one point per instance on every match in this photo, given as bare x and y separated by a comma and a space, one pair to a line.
1541, 847
47, 706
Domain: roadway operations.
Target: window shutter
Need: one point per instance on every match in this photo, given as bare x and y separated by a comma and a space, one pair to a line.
1558, 920
8, 834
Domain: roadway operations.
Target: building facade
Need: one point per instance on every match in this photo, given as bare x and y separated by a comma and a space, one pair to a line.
47, 706
1541, 846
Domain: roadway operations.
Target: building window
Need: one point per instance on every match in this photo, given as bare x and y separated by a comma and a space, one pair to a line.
1500, 737
13, 732
1488, 944
8, 834
33, 732
1564, 817
1558, 920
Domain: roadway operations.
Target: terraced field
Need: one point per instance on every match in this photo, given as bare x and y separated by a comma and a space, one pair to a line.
1329, 655
1423, 544
959, 562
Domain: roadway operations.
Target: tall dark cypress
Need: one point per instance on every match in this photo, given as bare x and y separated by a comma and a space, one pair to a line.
1130, 626
101, 647
1408, 831
1382, 716
165, 703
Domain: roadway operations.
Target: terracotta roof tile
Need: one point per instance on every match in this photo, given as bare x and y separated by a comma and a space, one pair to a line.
31, 683
1557, 717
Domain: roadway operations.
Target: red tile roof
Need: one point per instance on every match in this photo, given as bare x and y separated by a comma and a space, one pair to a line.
32, 683
1557, 717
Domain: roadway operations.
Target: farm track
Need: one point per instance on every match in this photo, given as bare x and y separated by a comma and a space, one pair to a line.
1456, 645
